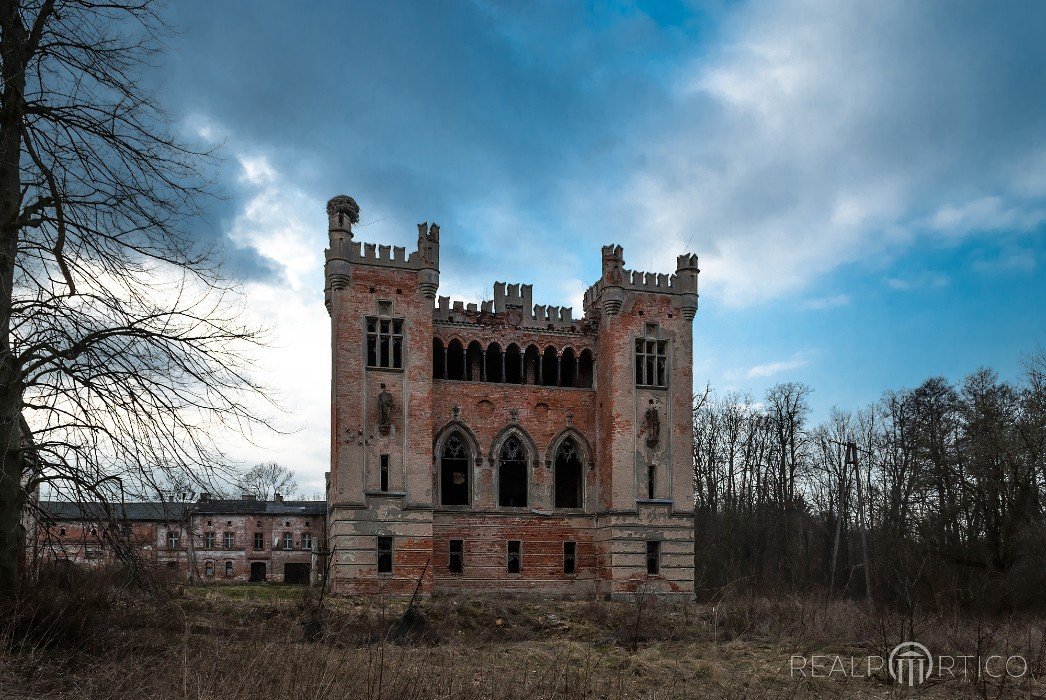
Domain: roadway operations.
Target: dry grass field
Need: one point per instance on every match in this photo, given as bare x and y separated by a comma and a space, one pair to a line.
96, 643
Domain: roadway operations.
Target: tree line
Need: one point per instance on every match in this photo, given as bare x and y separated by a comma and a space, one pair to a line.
928, 496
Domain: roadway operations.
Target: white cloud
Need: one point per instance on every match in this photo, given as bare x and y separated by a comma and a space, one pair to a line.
771, 369
832, 302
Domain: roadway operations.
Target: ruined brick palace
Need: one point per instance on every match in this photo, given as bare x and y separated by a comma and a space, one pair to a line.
510, 445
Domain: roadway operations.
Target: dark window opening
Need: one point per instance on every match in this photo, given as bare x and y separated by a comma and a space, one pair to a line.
259, 540
549, 367
515, 556
651, 481
208, 540
585, 369
651, 362
456, 562
653, 557
257, 571
228, 568
385, 343
384, 485
512, 474
455, 360
568, 368
532, 366
494, 363
208, 568
288, 540
569, 557
454, 472
513, 365
439, 359
384, 555
474, 362
568, 477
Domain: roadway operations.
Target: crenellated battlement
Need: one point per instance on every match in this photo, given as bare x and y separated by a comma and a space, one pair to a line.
509, 300
607, 295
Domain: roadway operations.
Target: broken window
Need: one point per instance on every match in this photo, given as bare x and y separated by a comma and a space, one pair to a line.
515, 556
306, 540
495, 364
569, 557
208, 540
259, 540
288, 540
653, 557
568, 477
513, 365
456, 561
651, 481
585, 369
512, 474
229, 540
228, 568
384, 483
173, 539
439, 359
454, 471
208, 568
568, 368
455, 360
385, 343
651, 362
384, 555
550, 367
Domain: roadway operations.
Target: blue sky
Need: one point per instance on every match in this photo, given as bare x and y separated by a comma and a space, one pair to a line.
865, 183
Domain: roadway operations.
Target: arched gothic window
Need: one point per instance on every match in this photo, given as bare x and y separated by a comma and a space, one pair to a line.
454, 472
512, 474
568, 477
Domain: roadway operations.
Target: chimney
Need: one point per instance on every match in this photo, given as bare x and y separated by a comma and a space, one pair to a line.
248, 497
204, 497
279, 498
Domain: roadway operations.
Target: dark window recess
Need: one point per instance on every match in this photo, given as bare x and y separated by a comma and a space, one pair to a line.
384, 555
653, 557
512, 474
457, 556
569, 557
454, 472
384, 473
259, 540
651, 362
651, 481
568, 477
515, 556
385, 343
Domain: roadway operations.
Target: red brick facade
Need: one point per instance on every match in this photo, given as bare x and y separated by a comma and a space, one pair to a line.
489, 438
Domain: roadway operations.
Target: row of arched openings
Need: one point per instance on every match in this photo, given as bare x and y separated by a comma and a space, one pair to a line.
513, 482
547, 367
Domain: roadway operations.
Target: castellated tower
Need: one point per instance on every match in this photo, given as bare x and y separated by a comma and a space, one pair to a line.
509, 445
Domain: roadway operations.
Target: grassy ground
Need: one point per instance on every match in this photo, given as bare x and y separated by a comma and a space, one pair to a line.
251, 641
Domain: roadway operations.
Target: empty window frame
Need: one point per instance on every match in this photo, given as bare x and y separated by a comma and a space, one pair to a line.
514, 563
568, 477
259, 540
208, 569
651, 362
228, 568
456, 558
454, 465
288, 540
208, 540
173, 539
229, 540
383, 484
384, 555
653, 557
651, 481
569, 557
385, 343
512, 474
306, 540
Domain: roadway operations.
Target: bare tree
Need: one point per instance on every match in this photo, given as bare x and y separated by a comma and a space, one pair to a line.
266, 480
121, 343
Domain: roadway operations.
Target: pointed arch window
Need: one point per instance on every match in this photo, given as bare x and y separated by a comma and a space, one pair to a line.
568, 477
454, 467
512, 473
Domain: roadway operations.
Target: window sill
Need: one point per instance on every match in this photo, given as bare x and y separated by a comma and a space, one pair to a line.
652, 386
398, 370
511, 384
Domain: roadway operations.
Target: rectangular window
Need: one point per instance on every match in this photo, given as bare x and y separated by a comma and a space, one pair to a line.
208, 569
385, 343
306, 540
228, 568
457, 556
259, 540
384, 555
208, 540
653, 557
173, 539
384, 473
229, 540
569, 557
515, 556
651, 362
288, 540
